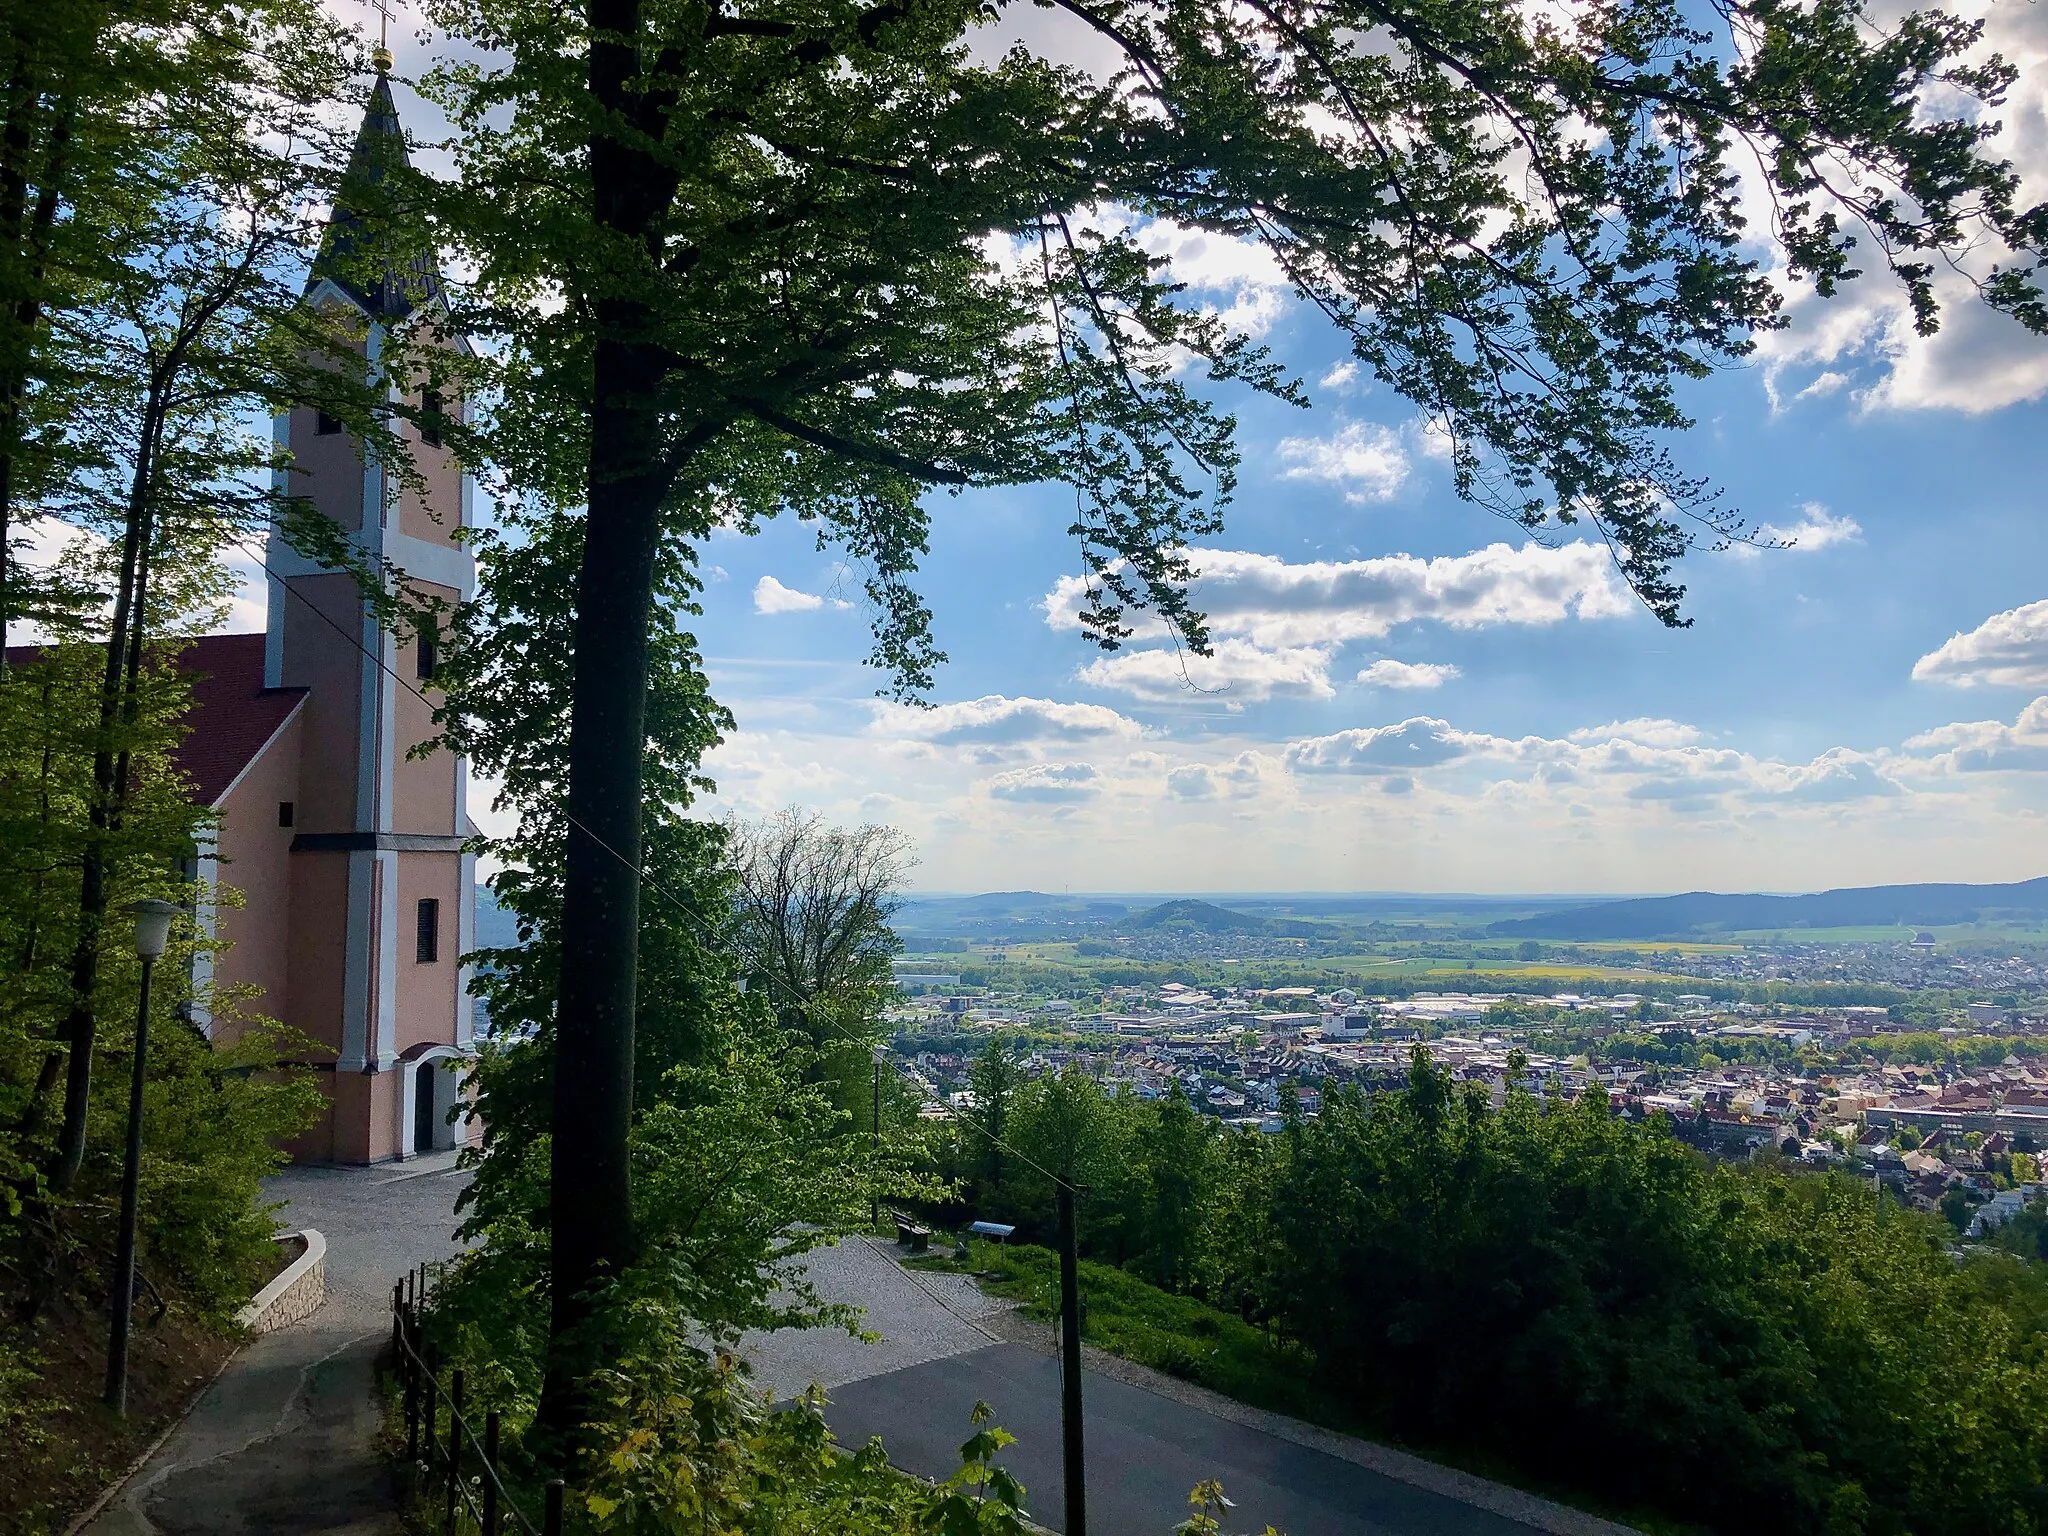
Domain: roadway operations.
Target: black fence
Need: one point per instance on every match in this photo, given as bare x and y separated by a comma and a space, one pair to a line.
466, 1468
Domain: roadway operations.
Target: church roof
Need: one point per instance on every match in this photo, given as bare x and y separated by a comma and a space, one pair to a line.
346, 256
233, 716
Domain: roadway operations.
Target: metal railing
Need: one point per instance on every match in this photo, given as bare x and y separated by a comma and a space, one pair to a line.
488, 1501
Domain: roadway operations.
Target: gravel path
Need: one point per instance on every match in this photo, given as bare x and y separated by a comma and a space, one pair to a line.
283, 1444
919, 1317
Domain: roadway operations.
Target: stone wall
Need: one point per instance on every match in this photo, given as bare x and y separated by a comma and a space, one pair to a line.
297, 1292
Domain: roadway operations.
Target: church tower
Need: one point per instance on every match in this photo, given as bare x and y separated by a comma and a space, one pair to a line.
381, 894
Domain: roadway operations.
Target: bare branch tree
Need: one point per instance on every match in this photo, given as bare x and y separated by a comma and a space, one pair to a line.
812, 912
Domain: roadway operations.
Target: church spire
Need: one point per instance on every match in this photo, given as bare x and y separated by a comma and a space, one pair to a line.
363, 252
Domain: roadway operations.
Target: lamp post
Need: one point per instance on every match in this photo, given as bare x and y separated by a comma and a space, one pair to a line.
1073, 1470
152, 933
875, 1135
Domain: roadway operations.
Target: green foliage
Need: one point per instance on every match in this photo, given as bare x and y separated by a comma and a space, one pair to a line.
2025, 1234
1210, 1507
1751, 1347
215, 1110
981, 1499
1178, 1334
740, 1167
1610, 266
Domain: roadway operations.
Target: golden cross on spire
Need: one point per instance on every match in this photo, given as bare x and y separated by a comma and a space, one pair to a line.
382, 57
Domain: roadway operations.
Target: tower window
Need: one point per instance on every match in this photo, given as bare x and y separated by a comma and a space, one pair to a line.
428, 655
430, 417
427, 942
284, 813
325, 425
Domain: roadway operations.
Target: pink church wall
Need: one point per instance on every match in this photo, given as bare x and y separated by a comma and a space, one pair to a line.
319, 945
255, 858
428, 991
320, 653
436, 517
422, 789
328, 470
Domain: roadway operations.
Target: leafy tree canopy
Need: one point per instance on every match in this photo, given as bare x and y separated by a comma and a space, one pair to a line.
851, 255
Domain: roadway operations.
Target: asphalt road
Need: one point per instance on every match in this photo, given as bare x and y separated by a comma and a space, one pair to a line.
1144, 1453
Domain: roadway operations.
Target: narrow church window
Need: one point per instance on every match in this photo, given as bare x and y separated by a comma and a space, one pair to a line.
428, 654
427, 946
325, 425
430, 417
284, 813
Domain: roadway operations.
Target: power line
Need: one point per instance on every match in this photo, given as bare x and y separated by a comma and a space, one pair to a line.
640, 874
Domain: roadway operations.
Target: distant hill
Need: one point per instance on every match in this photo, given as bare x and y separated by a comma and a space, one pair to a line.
495, 927
1654, 917
1199, 914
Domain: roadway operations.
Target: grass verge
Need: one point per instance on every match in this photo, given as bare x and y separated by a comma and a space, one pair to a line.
1178, 1335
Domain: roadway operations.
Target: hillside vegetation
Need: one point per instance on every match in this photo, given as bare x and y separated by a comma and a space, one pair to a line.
1547, 1288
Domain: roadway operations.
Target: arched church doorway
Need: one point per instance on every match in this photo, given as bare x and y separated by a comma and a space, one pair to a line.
424, 1121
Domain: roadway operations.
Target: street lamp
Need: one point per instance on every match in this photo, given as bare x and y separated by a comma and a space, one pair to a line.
875, 1137
152, 933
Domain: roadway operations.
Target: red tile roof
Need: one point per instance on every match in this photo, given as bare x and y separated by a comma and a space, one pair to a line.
233, 715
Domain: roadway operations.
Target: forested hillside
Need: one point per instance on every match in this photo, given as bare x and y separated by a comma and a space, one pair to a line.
1930, 906
1550, 1288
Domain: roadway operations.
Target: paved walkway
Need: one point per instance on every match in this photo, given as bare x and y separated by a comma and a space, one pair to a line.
283, 1444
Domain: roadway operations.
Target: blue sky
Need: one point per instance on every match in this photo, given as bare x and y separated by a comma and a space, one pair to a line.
1409, 695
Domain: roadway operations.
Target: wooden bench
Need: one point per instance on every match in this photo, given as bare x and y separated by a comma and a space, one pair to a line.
910, 1232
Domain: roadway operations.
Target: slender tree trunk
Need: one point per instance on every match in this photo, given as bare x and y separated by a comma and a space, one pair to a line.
32, 242
31, 1123
81, 1021
14, 153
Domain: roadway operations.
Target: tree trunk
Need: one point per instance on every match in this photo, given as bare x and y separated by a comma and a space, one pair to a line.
109, 786
590, 1202
32, 242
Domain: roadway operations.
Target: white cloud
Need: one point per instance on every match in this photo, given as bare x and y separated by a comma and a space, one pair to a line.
1651, 732
771, 596
1240, 778
2008, 650
1276, 604
998, 719
1988, 746
1816, 529
1237, 669
1979, 360
1048, 783
1363, 456
1823, 385
1244, 271
1388, 673
1210, 261
1413, 744
1650, 762
1341, 377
